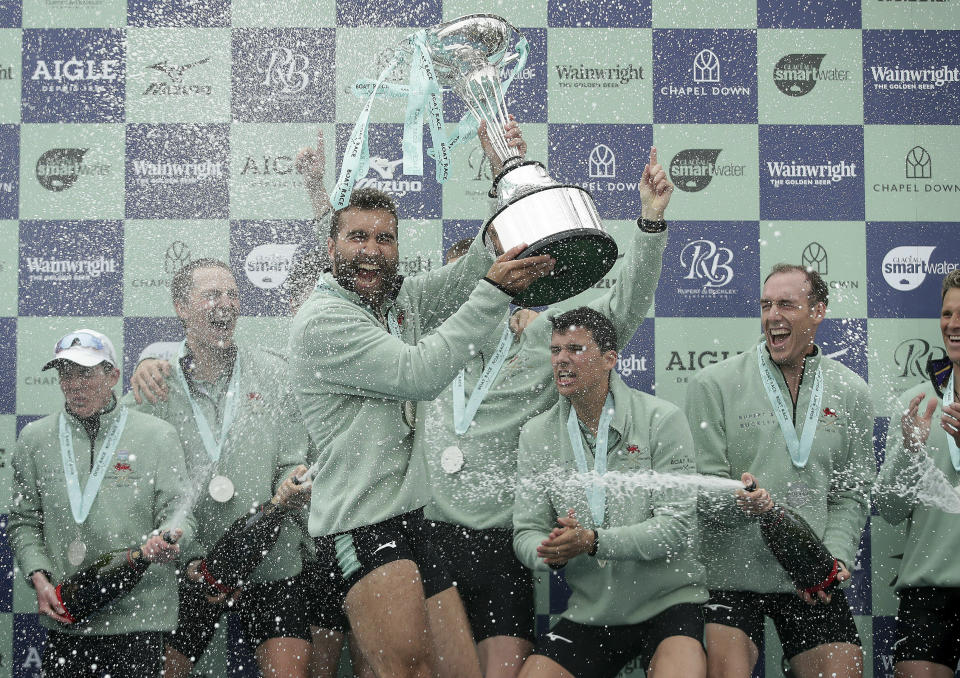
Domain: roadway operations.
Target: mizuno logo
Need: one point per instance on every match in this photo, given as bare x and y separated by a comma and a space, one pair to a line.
554, 636
389, 544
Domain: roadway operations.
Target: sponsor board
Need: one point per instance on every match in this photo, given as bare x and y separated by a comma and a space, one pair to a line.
906, 266
176, 13
804, 167
73, 75
177, 171
70, 268
705, 76
412, 13
898, 351
605, 160
149, 338
713, 270
820, 14
261, 256
911, 77
417, 195
283, 75
10, 13
635, 363
598, 13
11, 62
9, 171
845, 340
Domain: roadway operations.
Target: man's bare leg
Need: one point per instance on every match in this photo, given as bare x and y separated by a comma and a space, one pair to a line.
282, 657
176, 664
388, 617
503, 656
678, 657
456, 655
361, 667
843, 660
325, 648
730, 652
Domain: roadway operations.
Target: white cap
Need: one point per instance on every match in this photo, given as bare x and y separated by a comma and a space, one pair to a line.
83, 347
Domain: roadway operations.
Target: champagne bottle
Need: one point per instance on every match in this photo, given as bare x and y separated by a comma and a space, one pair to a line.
798, 549
241, 548
112, 575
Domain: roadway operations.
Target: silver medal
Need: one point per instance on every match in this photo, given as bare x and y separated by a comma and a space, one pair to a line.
221, 489
451, 459
76, 552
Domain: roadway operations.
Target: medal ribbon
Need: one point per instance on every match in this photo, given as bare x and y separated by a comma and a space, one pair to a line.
951, 443
799, 448
81, 501
597, 492
463, 415
213, 445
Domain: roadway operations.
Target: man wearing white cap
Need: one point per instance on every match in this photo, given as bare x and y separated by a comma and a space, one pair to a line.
92, 478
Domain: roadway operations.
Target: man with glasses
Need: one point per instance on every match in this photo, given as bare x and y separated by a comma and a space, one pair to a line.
802, 424
243, 437
96, 477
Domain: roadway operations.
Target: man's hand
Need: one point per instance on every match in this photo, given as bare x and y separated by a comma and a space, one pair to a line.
311, 164
291, 495
567, 541
655, 189
950, 421
756, 502
822, 597
194, 575
149, 381
47, 602
158, 550
515, 275
520, 319
511, 132
915, 426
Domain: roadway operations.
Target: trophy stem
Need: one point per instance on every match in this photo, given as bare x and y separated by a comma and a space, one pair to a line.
492, 110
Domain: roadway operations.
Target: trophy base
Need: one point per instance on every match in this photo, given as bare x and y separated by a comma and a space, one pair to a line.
583, 256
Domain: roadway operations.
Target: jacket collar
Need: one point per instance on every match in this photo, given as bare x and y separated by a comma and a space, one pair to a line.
939, 371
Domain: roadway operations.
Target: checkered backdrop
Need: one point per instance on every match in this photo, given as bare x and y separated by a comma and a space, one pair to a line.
135, 136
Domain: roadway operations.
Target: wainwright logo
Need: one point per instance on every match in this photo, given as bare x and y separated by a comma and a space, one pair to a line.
40, 268
798, 174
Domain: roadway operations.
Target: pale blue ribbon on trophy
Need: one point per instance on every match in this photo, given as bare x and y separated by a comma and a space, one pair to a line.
597, 491
951, 443
81, 502
422, 92
211, 443
799, 448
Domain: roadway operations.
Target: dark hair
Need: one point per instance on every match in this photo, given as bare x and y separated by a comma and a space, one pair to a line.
183, 279
306, 269
458, 249
364, 199
597, 324
819, 291
950, 281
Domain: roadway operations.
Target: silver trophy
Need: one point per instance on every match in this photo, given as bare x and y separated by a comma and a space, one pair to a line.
469, 56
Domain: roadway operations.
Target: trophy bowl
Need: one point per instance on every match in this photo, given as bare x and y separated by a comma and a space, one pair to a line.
552, 218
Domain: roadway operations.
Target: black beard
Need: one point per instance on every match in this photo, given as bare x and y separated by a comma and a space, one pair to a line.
345, 272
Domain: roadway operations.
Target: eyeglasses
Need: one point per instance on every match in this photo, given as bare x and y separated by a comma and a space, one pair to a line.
79, 339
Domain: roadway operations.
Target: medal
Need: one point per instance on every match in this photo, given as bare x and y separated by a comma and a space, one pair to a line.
76, 552
451, 459
221, 489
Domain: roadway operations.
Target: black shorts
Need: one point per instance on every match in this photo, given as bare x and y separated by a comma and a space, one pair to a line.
603, 651
801, 626
268, 610
403, 537
496, 589
324, 588
928, 626
124, 655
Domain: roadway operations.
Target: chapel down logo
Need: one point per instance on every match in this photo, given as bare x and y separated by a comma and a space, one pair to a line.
814, 257
173, 85
59, 168
918, 172
797, 74
693, 169
602, 162
176, 256
706, 72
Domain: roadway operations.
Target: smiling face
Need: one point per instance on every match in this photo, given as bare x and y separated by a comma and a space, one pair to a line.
209, 313
789, 317
87, 390
365, 255
950, 324
579, 366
